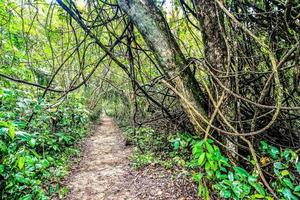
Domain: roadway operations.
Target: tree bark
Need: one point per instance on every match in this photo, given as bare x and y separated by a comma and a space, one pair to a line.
156, 32
212, 23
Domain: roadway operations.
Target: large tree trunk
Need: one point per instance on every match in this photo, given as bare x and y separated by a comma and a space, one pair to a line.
156, 32
212, 23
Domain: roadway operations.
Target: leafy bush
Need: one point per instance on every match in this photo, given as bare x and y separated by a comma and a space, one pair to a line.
147, 139
229, 181
213, 172
152, 147
140, 160
235, 182
33, 158
36, 137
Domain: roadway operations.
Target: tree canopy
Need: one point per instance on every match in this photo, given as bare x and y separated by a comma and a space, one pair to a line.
224, 72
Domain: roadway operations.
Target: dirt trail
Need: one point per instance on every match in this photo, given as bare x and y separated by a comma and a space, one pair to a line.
104, 172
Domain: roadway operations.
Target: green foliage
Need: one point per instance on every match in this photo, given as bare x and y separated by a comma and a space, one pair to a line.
216, 175
213, 172
140, 160
233, 182
34, 157
286, 170
153, 147
227, 180
147, 139
38, 132
37, 135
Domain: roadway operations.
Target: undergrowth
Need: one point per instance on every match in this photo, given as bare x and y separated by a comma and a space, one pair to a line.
215, 175
34, 156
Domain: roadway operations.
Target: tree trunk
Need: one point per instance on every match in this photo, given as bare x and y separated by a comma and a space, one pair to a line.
156, 32
211, 22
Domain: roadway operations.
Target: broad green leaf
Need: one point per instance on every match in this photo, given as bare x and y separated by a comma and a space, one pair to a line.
288, 183
286, 154
3, 124
25, 137
201, 159
209, 148
241, 172
264, 145
207, 166
32, 142
216, 148
223, 169
258, 196
269, 198
230, 176
45, 163
237, 189
225, 194
210, 173
50, 159
197, 177
279, 165
37, 155
11, 131
38, 107
259, 188
3, 147
224, 161
251, 179
214, 165
26, 197
228, 182
246, 189
176, 145
210, 141
285, 172
287, 193
274, 152
277, 172
1, 169
197, 149
206, 193
297, 188
221, 176
20, 178
21, 162
200, 189
209, 156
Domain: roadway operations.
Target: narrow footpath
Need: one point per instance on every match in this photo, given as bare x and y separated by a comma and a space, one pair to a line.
104, 172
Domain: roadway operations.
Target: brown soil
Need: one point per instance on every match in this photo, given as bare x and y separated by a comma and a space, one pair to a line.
104, 172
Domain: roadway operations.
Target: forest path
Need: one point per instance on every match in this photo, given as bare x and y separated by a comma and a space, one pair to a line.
104, 172
104, 167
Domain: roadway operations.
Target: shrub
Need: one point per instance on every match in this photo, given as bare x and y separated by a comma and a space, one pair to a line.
33, 158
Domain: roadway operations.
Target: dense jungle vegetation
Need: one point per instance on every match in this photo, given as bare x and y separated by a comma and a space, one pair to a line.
205, 87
